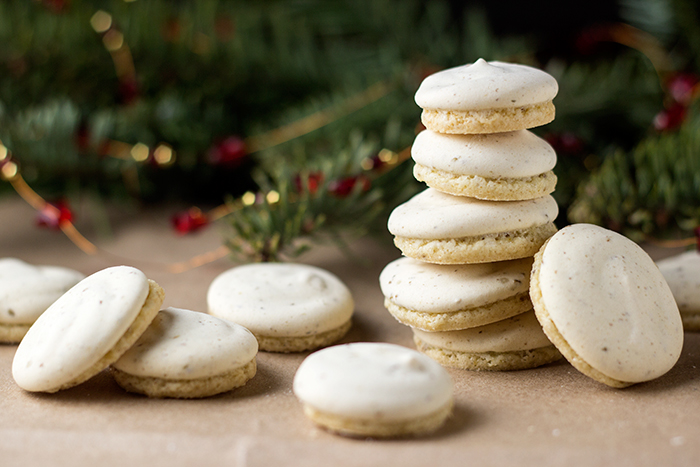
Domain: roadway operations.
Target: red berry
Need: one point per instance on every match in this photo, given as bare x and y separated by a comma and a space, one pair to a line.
681, 87
128, 90
189, 221
54, 215
229, 152
345, 186
310, 184
670, 118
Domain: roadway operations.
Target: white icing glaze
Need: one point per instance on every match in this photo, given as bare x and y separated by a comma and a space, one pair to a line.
434, 288
183, 344
486, 85
79, 328
611, 303
281, 299
521, 332
682, 272
27, 290
372, 381
435, 215
515, 154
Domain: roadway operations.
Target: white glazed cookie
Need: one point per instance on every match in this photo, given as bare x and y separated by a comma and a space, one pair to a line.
186, 354
288, 307
486, 97
606, 306
435, 297
515, 343
510, 166
26, 291
86, 329
682, 272
374, 389
439, 228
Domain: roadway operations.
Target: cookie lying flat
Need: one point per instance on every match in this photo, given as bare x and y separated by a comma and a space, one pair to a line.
439, 228
606, 306
486, 97
26, 291
186, 354
436, 297
374, 389
86, 329
682, 272
515, 343
501, 167
288, 307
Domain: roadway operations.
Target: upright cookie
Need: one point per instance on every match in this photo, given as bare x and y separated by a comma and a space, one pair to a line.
374, 389
606, 306
186, 354
682, 272
288, 307
26, 291
86, 329
515, 343
486, 97
509, 166
435, 297
439, 228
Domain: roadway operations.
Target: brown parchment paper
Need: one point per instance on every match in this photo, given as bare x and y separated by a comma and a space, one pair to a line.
549, 416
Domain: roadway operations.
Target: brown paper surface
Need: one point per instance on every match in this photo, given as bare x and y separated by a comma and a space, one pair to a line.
550, 416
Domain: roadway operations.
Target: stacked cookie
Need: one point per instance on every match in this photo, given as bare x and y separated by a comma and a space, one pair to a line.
469, 239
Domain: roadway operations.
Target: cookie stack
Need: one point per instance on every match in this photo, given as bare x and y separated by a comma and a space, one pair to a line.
469, 239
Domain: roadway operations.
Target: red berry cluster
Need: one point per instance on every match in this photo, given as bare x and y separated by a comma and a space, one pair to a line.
681, 89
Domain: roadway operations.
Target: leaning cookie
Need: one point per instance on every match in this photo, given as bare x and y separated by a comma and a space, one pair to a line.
509, 166
682, 272
486, 97
606, 306
86, 329
26, 291
288, 307
515, 343
186, 354
374, 389
435, 297
439, 228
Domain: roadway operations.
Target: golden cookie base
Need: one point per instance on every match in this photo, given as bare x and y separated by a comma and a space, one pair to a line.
489, 120
463, 319
489, 361
474, 186
301, 344
185, 388
358, 427
13, 333
481, 249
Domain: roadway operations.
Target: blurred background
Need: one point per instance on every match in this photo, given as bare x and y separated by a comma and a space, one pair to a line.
292, 119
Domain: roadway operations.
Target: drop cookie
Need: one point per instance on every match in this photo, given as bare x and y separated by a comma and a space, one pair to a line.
515, 343
86, 329
186, 354
682, 272
435, 297
26, 291
606, 306
288, 307
486, 97
374, 389
439, 228
510, 166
